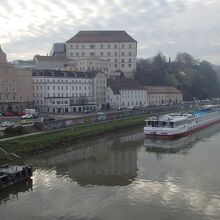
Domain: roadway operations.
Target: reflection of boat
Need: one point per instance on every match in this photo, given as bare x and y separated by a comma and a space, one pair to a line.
173, 146
173, 126
15, 190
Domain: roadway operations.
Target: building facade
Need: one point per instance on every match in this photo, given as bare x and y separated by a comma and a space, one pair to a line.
163, 95
51, 62
15, 86
119, 48
125, 93
67, 91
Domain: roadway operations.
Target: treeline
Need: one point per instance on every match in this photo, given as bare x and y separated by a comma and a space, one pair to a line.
193, 78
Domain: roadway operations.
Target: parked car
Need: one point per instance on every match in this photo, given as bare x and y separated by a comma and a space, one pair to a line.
20, 113
100, 113
8, 114
27, 116
6, 124
26, 122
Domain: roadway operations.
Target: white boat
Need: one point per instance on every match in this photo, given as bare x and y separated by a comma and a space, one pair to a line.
172, 126
176, 145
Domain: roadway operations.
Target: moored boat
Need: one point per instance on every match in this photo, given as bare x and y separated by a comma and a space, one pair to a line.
10, 175
173, 126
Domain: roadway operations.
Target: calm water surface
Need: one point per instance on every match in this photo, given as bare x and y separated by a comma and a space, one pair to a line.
122, 176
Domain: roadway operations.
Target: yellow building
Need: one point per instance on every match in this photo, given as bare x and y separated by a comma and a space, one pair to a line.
16, 92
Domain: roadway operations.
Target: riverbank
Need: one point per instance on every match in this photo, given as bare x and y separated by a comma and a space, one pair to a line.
45, 141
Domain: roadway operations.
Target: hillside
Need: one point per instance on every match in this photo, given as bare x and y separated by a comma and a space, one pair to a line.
193, 78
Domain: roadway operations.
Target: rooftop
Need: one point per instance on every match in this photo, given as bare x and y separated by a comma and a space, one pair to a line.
60, 73
101, 36
118, 83
162, 90
52, 58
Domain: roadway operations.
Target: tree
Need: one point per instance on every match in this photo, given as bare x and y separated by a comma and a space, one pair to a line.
185, 60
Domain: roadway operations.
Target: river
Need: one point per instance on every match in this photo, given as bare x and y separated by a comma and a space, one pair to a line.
122, 176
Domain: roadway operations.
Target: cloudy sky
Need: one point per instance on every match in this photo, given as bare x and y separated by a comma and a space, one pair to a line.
29, 27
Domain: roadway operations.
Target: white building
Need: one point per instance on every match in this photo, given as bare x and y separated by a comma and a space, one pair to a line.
119, 48
68, 91
163, 95
51, 62
125, 92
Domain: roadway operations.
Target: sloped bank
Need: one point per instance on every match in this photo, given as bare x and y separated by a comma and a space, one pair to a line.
46, 141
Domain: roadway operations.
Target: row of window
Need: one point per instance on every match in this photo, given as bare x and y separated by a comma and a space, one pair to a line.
62, 88
63, 94
7, 89
100, 46
12, 97
93, 54
62, 80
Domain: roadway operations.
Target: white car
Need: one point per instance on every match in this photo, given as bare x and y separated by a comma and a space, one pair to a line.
100, 113
6, 124
27, 116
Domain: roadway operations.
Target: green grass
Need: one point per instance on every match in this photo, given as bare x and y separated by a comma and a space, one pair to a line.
36, 143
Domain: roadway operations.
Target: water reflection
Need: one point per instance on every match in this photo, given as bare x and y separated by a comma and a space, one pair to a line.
13, 191
174, 146
107, 161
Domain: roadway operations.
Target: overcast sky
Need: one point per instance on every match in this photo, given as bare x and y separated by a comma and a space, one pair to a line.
29, 27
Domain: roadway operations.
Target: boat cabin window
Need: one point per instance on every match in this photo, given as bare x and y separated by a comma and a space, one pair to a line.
171, 124
164, 124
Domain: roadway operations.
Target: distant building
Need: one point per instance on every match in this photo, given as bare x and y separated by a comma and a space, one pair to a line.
58, 49
51, 62
26, 64
118, 47
163, 95
68, 91
125, 92
15, 86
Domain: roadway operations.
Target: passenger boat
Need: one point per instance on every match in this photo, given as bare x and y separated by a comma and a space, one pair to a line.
10, 175
176, 125
176, 145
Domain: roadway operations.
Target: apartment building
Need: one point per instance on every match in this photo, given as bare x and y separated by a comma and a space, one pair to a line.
118, 47
125, 92
15, 86
163, 95
68, 91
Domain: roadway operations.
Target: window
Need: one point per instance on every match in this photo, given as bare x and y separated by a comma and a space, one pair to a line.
92, 54
116, 60
122, 60
116, 54
101, 45
122, 53
115, 46
71, 46
92, 46
129, 53
101, 54
109, 54
122, 65
109, 46
77, 46
71, 54
122, 46
83, 54
83, 46
130, 46
77, 54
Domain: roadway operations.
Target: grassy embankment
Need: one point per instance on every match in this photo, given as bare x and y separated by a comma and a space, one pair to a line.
45, 141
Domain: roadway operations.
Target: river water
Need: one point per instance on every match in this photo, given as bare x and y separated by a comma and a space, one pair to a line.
122, 176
